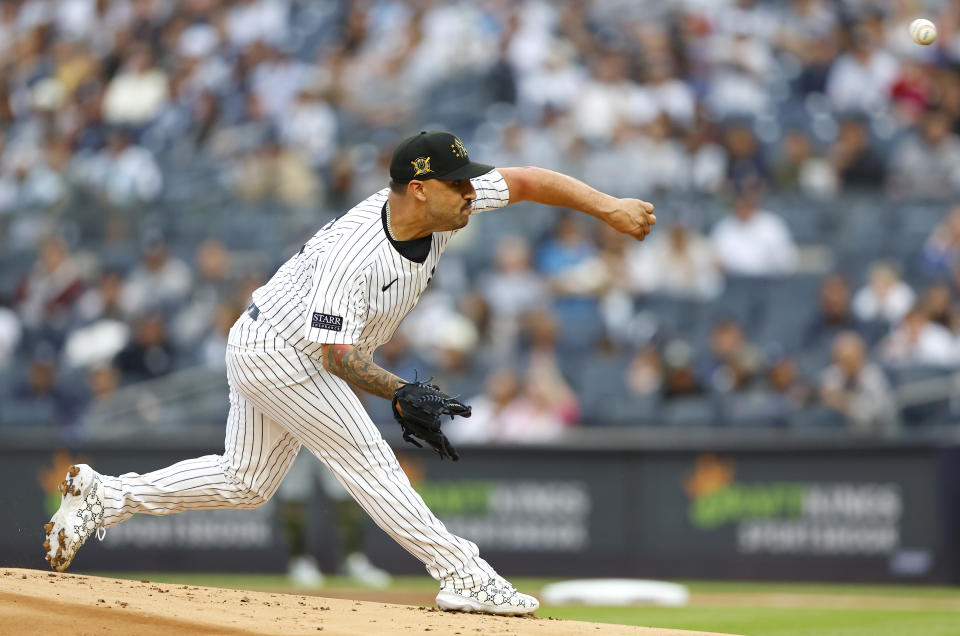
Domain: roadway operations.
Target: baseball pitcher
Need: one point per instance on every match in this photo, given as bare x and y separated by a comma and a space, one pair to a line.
309, 336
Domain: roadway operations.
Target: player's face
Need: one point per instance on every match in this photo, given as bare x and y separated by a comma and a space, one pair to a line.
448, 203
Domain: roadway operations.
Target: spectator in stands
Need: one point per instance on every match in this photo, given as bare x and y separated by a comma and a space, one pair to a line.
801, 169
37, 399
937, 303
707, 158
100, 330
914, 92
214, 284
160, 281
680, 375
860, 80
678, 261
568, 259
311, 127
856, 161
790, 390
540, 334
941, 252
927, 163
918, 341
645, 373
732, 362
746, 162
857, 388
278, 79
816, 58
544, 409
101, 301
834, 316
250, 130
741, 62
11, 332
670, 171
502, 388
452, 361
46, 185
213, 348
608, 98
136, 94
884, 297
752, 241
103, 380
673, 97
150, 354
248, 21
46, 297
275, 173
511, 290
122, 174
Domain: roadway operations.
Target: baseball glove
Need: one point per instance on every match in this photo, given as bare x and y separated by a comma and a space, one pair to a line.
418, 407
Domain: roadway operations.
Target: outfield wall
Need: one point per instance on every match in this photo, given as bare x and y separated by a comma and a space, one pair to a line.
768, 508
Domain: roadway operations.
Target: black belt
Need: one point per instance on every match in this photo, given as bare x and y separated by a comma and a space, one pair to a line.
253, 311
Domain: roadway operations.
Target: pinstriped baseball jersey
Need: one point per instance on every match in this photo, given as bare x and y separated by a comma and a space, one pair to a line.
351, 283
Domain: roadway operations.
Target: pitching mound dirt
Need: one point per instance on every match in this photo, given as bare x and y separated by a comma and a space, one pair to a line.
35, 602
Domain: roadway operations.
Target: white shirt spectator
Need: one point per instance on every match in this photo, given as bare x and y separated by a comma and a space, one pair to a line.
135, 98
311, 127
675, 98
252, 20
75, 18
277, 82
862, 85
10, 334
870, 405
760, 245
148, 288
918, 341
893, 305
133, 176
677, 262
925, 169
600, 108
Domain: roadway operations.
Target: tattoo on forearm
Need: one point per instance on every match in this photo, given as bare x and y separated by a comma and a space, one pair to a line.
360, 370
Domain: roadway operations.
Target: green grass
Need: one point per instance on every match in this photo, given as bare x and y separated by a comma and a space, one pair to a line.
769, 621
849, 589
749, 621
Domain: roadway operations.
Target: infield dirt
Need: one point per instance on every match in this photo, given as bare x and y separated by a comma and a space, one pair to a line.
38, 602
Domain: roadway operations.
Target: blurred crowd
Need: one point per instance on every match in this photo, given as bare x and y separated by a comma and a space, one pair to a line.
159, 159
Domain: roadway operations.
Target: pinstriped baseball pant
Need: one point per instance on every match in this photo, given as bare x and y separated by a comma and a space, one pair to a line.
281, 399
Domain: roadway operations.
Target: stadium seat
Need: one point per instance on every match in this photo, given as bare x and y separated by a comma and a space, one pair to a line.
756, 408
634, 410
925, 394
599, 385
697, 411
816, 418
791, 305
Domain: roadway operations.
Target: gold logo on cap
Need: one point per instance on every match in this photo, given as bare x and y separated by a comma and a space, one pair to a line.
421, 166
459, 150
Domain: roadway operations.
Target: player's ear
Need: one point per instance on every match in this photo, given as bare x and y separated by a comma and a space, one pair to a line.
416, 189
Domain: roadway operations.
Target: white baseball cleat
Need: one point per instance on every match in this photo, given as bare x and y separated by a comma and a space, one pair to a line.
303, 572
79, 516
358, 567
496, 596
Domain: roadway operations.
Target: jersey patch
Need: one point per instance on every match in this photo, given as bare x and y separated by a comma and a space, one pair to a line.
326, 321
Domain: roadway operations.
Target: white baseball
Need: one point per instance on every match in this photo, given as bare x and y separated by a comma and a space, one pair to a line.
923, 31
